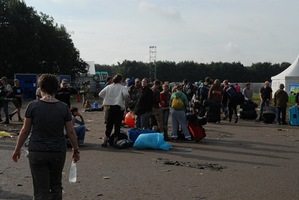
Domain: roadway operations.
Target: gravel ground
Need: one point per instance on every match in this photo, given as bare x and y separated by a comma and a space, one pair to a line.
248, 160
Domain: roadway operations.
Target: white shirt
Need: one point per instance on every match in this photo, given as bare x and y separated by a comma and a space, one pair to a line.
114, 94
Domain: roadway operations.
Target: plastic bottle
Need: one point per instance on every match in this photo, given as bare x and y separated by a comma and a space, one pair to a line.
96, 104
73, 173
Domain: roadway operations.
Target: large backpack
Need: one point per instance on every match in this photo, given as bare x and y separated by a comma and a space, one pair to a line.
231, 92
177, 103
203, 92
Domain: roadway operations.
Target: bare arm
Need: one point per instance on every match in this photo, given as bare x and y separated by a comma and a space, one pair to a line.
70, 131
24, 133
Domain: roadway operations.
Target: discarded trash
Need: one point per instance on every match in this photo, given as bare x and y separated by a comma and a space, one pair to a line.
186, 149
211, 166
5, 134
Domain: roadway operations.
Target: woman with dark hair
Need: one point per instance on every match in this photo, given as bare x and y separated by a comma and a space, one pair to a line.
114, 99
46, 119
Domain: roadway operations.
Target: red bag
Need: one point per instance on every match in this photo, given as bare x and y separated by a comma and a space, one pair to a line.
196, 131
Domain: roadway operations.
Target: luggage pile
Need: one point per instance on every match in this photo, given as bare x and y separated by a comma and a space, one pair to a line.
248, 110
269, 114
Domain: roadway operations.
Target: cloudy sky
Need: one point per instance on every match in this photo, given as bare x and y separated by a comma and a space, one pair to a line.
204, 31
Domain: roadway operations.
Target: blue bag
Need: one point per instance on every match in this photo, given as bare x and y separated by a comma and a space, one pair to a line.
135, 132
151, 141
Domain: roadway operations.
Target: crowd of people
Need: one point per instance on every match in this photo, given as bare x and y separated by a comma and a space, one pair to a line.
152, 103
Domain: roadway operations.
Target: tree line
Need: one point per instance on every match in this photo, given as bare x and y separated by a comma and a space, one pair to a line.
171, 71
34, 43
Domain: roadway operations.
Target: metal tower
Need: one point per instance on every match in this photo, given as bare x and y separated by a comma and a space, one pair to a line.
152, 64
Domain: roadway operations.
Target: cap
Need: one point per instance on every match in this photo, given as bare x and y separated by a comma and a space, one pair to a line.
137, 80
3, 78
16, 80
64, 81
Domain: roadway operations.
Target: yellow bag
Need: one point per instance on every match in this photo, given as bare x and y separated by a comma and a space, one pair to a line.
177, 103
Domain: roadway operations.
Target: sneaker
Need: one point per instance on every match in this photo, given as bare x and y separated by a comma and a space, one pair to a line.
190, 139
20, 120
10, 116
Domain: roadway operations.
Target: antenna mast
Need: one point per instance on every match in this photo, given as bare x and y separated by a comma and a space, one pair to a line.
152, 64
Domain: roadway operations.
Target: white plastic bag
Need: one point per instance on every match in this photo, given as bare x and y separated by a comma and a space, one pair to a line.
73, 173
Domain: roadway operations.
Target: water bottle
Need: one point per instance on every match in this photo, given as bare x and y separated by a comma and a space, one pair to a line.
96, 104
73, 173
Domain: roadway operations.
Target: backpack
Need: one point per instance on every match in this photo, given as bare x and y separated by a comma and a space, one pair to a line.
177, 103
122, 135
231, 92
123, 143
203, 92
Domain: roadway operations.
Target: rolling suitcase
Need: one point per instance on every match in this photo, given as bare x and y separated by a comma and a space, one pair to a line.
294, 115
269, 114
197, 131
248, 110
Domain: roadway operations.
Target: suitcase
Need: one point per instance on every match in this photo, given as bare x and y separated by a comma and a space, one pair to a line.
269, 114
197, 131
251, 114
202, 120
294, 115
248, 106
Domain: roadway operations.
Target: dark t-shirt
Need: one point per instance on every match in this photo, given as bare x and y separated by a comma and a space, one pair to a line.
48, 122
266, 93
17, 91
64, 95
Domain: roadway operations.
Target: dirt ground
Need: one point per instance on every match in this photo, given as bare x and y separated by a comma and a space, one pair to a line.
248, 160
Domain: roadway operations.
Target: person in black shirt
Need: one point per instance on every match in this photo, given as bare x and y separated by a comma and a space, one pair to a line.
265, 97
17, 93
143, 106
65, 92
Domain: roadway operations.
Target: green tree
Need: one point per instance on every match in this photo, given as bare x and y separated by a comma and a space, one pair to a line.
35, 43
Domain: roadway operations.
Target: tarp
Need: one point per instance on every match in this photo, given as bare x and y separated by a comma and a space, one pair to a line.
289, 77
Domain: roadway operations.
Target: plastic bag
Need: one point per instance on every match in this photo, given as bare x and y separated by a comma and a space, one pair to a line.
151, 141
73, 173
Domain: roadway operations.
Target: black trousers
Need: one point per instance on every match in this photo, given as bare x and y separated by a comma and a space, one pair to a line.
232, 109
46, 170
114, 118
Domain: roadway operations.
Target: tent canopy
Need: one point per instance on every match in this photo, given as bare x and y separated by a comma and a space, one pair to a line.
289, 77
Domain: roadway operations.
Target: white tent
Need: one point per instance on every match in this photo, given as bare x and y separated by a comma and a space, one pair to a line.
289, 77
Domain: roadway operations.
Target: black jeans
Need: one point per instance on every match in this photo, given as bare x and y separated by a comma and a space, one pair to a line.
46, 170
114, 118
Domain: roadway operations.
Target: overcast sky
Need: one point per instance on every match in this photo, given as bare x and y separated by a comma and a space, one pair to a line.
203, 31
